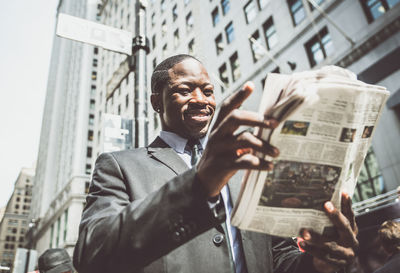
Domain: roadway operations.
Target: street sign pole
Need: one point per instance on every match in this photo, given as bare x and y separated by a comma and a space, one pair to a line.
117, 40
140, 48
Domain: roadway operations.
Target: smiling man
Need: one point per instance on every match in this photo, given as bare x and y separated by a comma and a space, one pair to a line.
157, 209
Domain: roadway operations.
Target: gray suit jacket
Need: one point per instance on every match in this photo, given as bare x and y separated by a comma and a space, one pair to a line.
146, 213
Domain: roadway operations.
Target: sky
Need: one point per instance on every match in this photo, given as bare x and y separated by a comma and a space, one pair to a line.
26, 36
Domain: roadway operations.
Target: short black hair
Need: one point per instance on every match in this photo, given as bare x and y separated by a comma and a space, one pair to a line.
160, 74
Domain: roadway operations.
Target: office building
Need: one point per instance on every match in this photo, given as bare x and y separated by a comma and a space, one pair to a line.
15, 221
66, 141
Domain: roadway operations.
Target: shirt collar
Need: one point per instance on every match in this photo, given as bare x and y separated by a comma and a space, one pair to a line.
178, 143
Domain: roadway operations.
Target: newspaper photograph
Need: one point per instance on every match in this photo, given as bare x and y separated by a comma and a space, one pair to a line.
326, 122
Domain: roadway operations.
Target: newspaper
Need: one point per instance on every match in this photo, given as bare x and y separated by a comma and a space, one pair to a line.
326, 121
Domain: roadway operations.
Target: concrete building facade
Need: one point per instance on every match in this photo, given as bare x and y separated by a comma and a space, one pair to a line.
15, 222
66, 142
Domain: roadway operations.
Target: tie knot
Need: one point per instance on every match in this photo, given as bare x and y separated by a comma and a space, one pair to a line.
192, 144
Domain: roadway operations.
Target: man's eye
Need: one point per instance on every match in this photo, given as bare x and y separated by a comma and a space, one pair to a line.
183, 91
208, 92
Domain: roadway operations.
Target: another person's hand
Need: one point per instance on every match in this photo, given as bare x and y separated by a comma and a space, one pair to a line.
332, 254
228, 151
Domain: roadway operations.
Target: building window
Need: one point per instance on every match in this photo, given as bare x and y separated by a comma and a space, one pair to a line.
223, 75
250, 11
370, 182
191, 47
319, 47
163, 6
256, 49
164, 28
89, 152
153, 19
87, 186
271, 37
219, 44
88, 168
230, 35
58, 231
51, 236
92, 104
189, 22
176, 37
153, 41
164, 50
126, 101
94, 75
119, 109
262, 3
215, 16
91, 119
154, 63
174, 12
225, 6
318, 2
93, 90
235, 66
65, 224
375, 8
297, 11
90, 135
95, 62
96, 50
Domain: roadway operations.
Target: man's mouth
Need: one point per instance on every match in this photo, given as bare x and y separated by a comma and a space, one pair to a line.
198, 116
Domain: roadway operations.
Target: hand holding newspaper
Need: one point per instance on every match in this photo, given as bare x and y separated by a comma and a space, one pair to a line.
327, 118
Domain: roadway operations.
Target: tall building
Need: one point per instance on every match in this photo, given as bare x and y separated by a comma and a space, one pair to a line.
66, 141
15, 222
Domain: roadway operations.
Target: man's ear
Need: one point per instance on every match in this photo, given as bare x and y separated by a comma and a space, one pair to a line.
156, 102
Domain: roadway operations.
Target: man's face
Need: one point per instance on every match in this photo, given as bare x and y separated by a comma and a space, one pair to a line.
187, 101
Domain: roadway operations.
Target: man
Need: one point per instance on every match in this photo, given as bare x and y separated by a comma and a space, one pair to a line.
389, 235
149, 210
55, 260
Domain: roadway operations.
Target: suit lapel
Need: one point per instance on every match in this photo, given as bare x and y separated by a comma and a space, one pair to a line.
166, 155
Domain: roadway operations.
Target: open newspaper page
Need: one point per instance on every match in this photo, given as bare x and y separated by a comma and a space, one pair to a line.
327, 119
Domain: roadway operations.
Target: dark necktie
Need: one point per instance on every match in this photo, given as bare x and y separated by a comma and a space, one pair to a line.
193, 148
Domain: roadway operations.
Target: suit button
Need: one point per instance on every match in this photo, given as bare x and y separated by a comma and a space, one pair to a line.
218, 239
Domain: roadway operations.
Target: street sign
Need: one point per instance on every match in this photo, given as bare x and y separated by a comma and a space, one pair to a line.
117, 132
86, 31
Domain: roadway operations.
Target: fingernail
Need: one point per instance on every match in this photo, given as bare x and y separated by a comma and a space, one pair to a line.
248, 85
329, 206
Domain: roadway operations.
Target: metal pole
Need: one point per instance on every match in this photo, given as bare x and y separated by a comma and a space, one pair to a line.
140, 48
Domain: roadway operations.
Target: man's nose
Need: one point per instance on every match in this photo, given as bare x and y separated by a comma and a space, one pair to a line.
198, 96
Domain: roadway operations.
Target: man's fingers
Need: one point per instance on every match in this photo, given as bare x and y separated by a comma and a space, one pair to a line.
239, 118
348, 212
243, 143
234, 101
329, 252
347, 236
